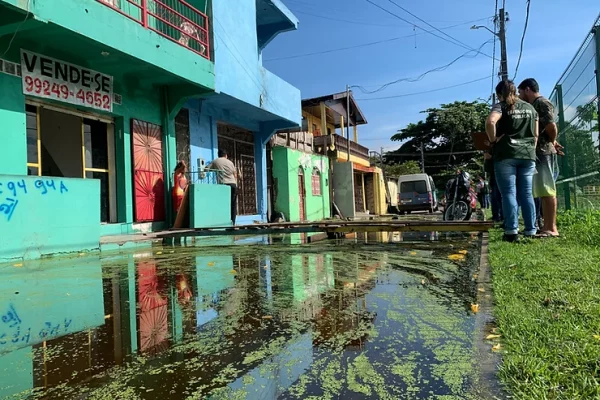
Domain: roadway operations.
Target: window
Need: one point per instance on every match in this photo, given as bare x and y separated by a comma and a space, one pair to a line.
316, 182
419, 187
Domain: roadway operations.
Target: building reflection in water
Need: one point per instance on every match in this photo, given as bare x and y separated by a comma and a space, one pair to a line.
86, 316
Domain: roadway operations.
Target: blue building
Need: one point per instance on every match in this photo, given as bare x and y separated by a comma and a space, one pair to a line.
248, 106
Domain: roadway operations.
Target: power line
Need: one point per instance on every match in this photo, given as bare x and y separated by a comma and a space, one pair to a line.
426, 91
523, 39
345, 20
413, 24
364, 44
431, 26
438, 69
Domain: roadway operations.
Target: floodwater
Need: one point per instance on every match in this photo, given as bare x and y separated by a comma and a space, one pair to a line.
375, 317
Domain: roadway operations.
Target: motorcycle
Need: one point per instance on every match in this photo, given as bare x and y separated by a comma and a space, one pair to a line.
461, 199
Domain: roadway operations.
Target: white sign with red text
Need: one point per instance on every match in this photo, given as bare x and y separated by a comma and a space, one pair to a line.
57, 80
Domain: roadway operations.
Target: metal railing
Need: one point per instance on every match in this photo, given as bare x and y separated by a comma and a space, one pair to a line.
576, 98
175, 20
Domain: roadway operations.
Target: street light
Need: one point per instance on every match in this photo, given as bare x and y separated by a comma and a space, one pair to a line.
484, 27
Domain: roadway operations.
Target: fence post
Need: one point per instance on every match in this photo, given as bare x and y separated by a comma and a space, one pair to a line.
562, 128
144, 13
597, 37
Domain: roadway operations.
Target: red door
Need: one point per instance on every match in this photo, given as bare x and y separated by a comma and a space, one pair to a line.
148, 177
302, 194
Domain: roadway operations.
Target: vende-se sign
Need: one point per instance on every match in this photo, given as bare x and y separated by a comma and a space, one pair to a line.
58, 80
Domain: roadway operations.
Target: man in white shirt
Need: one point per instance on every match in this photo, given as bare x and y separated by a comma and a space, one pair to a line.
226, 175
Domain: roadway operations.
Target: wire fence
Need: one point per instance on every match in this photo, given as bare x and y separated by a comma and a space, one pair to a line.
576, 99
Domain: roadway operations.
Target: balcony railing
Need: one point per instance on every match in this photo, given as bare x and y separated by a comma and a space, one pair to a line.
341, 144
176, 20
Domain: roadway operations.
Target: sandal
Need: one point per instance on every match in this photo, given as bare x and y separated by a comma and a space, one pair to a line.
549, 234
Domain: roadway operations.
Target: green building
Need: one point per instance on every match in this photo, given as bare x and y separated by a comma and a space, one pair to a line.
89, 90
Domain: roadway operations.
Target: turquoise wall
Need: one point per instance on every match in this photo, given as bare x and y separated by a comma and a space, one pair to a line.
13, 151
102, 24
16, 372
286, 163
238, 63
210, 205
139, 101
48, 215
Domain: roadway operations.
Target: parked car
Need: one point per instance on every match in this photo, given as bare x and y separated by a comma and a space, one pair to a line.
416, 193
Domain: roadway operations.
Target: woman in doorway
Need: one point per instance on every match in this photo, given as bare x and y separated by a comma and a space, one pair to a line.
179, 184
513, 130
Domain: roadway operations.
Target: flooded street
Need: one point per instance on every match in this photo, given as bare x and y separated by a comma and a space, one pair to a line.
365, 318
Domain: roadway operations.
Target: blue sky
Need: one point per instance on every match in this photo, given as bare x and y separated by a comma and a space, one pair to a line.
556, 30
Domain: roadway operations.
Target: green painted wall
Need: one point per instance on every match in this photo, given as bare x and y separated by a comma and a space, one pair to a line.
286, 163
67, 295
16, 372
49, 215
203, 212
13, 151
139, 101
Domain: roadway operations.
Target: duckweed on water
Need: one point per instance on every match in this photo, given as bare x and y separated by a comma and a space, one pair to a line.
342, 321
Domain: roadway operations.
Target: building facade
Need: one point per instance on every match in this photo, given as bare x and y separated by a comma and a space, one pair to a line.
93, 116
248, 106
357, 188
299, 178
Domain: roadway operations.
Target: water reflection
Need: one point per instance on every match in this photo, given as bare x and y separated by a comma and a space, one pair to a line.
255, 322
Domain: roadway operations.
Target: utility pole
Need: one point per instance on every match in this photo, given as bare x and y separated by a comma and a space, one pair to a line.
422, 158
348, 120
502, 37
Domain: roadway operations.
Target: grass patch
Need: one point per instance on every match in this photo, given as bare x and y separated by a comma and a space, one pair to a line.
548, 310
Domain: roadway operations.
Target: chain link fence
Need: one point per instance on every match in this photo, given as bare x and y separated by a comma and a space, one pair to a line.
576, 99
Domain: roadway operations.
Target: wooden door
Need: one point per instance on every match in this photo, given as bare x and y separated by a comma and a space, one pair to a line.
302, 194
148, 176
359, 203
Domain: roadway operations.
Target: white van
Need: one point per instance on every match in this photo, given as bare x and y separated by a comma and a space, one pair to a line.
416, 193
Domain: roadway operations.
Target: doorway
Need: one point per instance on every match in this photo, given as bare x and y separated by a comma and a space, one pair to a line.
239, 144
62, 143
302, 194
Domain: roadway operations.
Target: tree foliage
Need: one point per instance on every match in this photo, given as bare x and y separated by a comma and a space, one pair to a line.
445, 129
581, 137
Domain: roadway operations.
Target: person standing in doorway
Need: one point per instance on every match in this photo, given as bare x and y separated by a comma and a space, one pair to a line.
544, 183
513, 130
226, 175
180, 184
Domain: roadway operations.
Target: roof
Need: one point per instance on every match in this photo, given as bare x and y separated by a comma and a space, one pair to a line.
337, 104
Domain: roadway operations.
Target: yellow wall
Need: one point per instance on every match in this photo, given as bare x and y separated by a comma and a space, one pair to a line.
343, 156
380, 202
317, 122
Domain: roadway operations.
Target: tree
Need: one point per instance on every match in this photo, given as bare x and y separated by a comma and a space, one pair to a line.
446, 129
406, 168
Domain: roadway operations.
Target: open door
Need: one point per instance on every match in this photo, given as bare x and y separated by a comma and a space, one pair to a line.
302, 194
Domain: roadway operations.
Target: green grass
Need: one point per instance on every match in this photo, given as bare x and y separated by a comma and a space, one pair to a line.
547, 296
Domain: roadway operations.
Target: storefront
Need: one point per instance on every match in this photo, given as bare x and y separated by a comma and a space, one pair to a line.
111, 139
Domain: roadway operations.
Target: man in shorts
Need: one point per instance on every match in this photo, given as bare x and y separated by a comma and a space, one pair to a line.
544, 181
